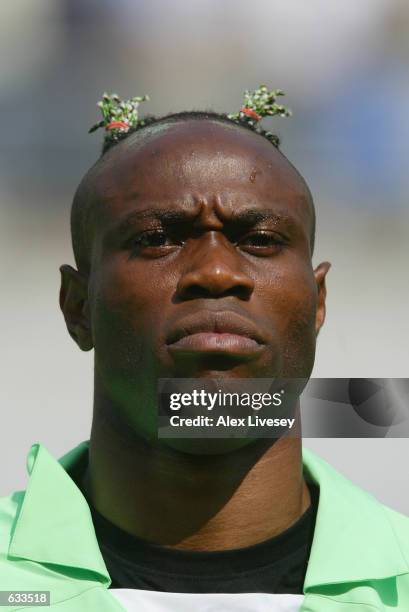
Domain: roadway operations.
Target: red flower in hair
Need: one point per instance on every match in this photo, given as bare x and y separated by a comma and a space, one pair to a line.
250, 113
117, 124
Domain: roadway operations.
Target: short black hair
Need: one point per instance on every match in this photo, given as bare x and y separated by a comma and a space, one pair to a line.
82, 206
148, 120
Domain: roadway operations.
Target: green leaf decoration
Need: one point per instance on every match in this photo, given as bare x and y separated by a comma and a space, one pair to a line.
258, 104
118, 116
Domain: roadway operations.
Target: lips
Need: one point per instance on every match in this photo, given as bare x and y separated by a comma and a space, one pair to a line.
216, 332
222, 322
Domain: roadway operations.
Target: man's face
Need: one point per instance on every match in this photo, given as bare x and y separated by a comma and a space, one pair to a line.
201, 264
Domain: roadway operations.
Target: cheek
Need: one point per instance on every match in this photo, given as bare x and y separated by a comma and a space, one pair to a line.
292, 300
126, 304
300, 339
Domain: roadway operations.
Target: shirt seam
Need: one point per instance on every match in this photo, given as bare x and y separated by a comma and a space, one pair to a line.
154, 572
69, 598
353, 603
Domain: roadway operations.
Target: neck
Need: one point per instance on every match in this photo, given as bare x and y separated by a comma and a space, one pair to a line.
192, 502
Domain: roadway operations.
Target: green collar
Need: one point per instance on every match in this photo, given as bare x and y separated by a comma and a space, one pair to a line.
54, 523
354, 538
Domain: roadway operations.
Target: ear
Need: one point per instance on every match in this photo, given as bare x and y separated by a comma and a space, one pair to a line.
320, 274
75, 307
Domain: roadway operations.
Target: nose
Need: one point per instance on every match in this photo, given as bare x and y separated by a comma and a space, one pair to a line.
214, 270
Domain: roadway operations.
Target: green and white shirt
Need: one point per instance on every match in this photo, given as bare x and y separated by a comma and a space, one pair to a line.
359, 557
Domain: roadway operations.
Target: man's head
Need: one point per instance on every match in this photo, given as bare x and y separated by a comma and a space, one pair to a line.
192, 225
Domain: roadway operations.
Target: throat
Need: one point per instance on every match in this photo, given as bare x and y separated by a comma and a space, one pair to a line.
197, 503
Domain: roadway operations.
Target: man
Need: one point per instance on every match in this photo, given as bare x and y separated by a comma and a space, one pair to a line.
193, 239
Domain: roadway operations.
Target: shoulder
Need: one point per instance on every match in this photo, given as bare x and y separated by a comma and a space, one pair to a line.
9, 509
400, 526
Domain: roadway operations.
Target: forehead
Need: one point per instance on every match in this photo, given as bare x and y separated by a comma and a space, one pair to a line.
172, 164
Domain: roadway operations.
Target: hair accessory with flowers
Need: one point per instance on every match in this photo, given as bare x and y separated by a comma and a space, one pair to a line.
258, 104
119, 116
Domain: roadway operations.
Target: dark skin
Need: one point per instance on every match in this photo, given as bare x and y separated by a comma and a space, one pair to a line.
147, 276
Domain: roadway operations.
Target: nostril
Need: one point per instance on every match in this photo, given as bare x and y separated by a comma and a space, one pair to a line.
196, 291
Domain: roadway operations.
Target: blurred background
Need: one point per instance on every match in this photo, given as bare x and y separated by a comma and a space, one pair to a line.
344, 67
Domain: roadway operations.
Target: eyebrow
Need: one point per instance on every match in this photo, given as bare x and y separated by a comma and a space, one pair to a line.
170, 215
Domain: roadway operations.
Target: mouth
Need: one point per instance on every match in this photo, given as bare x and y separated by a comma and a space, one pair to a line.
222, 332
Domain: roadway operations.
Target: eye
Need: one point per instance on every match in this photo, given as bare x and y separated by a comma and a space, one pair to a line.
152, 241
262, 241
